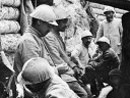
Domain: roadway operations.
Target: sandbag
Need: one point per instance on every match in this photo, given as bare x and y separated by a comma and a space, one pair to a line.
7, 26
14, 3
9, 44
9, 13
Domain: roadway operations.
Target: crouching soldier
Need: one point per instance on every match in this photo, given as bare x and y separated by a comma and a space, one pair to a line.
107, 60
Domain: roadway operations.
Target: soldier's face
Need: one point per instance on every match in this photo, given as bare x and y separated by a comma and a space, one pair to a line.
44, 28
109, 16
87, 40
103, 46
62, 24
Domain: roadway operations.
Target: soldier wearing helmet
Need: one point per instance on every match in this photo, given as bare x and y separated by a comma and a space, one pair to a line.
111, 28
39, 78
56, 46
30, 44
107, 61
82, 54
109, 12
85, 51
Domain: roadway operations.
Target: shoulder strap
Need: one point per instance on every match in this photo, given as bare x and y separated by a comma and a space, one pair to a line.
45, 43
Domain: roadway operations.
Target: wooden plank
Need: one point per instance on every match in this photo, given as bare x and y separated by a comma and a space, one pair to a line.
101, 6
120, 10
100, 17
96, 5
123, 4
98, 11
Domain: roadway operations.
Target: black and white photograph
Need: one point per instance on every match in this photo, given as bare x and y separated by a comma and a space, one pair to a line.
64, 49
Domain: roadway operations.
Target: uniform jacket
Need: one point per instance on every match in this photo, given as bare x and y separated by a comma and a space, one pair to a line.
83, 54
113, 31
106, 62
30, 46
59, 89
61, 60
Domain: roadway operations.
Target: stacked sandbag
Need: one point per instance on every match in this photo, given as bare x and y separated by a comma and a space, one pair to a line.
9, 26
9, 43
9, 15
14, 3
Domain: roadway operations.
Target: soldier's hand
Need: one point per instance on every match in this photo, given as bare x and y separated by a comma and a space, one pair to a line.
77, 70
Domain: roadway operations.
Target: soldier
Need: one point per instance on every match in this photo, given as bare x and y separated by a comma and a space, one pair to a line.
30, 44
56, 46
107, 61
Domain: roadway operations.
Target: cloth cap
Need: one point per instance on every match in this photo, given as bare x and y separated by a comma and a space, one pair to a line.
86, 33
103, 40
108, 8
35, 70
45, 13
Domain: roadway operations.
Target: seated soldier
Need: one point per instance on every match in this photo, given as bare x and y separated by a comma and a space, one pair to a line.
104, 61
85, 51
107, 60
39, 78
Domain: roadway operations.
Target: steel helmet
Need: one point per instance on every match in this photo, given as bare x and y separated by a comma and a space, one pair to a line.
61, 12
45, 13
108, 8
103, 40
86, 33
35, 70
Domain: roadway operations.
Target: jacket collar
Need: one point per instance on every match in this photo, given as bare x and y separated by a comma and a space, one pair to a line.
34, 31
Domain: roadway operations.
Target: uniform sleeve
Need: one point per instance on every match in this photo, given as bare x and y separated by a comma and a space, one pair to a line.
120, 31
100, 31
29, 49
108, 57
55, 52
25, 50
102, 60
92, 49
75, 54
76, 51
